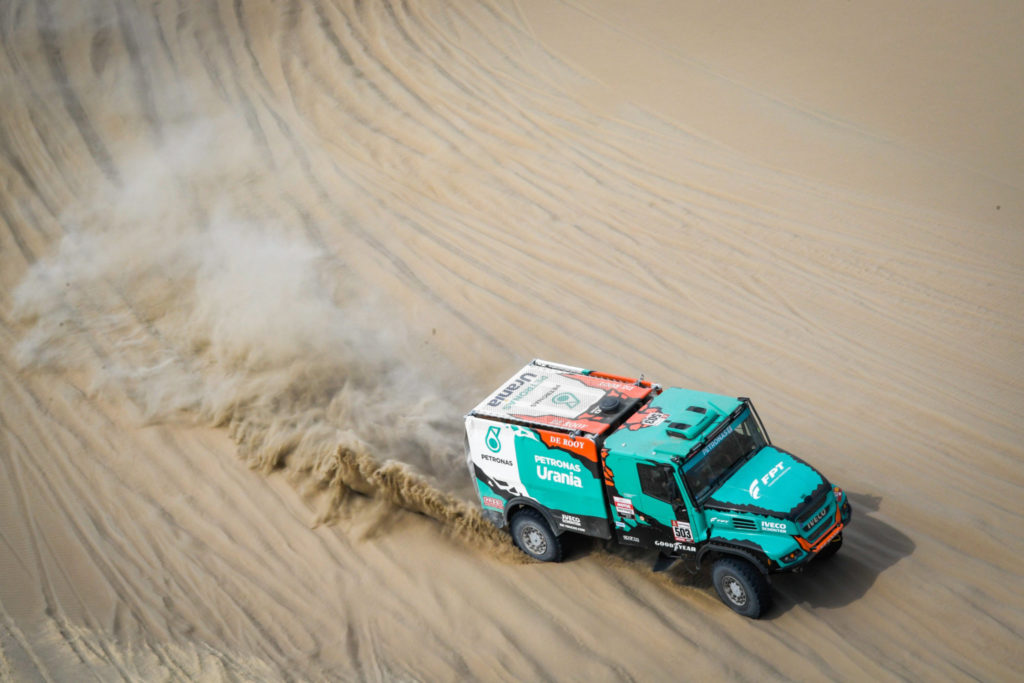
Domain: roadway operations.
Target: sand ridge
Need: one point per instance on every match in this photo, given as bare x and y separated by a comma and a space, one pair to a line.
258, 259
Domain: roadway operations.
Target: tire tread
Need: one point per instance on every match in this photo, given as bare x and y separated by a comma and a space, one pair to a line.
762, 594
536, 517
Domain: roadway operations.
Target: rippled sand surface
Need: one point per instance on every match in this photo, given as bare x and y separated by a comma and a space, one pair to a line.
258, 258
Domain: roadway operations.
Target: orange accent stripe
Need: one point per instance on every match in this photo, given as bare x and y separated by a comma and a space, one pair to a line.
581, 446
828, 539
620, 378
814, 548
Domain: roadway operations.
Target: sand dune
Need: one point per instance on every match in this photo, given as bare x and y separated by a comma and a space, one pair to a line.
257, 259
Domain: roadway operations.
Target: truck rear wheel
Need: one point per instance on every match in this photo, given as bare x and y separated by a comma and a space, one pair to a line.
741, 586
534, 537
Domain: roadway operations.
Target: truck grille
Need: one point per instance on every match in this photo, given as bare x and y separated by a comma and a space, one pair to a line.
812, 506
816, 519
747, 524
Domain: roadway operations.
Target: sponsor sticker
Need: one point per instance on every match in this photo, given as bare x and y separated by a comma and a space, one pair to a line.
565, 442
717, 440
522, 380
493, 439
572, 521
677, 546
624, 506
778, 527
681, 531
769, 479
631, 539
496, 459
566, 398
492, 502
567, 478
648, 417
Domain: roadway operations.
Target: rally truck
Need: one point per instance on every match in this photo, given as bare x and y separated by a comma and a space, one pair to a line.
692, 475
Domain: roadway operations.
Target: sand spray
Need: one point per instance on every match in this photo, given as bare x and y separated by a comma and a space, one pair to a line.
198, 312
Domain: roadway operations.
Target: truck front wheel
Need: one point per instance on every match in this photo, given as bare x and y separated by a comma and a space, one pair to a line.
534, 537
741, 586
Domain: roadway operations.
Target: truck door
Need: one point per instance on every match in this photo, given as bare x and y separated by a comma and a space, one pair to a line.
648, 508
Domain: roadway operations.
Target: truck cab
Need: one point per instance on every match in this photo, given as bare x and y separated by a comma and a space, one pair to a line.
690, 474
695, 473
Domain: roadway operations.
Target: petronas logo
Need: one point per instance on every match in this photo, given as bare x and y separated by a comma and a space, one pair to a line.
566, 399
493, 439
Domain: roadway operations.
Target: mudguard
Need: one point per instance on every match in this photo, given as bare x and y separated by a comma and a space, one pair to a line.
752, 554
521, 501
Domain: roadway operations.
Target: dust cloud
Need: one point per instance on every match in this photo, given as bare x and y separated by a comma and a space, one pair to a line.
214, 319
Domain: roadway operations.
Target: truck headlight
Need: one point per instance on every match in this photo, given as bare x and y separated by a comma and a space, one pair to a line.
792, 556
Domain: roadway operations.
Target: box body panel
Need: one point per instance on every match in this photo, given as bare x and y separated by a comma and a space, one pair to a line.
558, 471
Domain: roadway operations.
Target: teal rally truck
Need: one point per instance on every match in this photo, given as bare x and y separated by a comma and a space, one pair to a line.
693, 475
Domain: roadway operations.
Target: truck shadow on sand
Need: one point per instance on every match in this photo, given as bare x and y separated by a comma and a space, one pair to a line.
870, 546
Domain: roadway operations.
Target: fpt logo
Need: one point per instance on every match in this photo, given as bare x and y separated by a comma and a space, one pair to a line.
566, 399
769, 479
493, 439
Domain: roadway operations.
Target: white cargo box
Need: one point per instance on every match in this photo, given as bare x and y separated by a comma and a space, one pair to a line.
544, 394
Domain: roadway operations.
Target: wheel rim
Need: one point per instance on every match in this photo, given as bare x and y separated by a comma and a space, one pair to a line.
534, 540
734, 591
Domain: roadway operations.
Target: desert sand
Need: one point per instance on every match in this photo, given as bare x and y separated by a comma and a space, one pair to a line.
257, 259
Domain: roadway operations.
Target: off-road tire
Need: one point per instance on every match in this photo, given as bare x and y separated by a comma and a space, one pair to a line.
534, 537
831, 549
741, 586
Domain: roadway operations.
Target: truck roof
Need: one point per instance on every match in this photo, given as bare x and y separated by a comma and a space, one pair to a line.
563, 397
672, 424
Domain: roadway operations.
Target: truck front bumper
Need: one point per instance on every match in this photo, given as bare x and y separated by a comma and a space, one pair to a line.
808, 550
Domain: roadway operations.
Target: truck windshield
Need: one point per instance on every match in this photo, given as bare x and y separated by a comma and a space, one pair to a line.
713, 464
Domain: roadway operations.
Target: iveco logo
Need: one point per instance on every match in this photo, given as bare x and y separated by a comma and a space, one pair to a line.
817, 518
